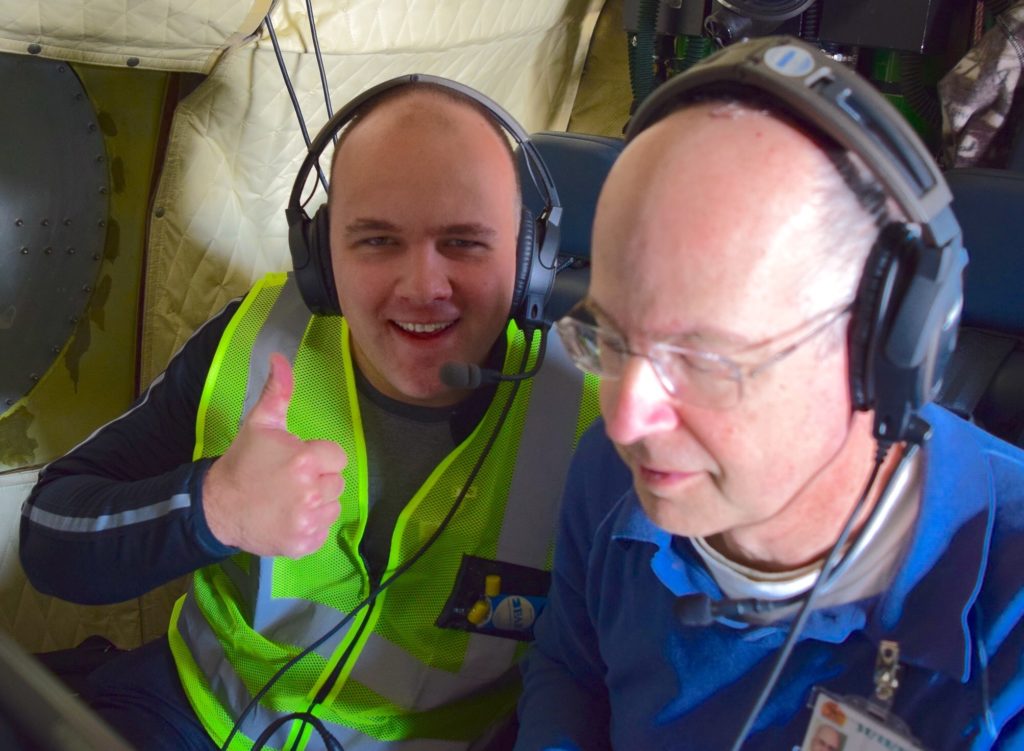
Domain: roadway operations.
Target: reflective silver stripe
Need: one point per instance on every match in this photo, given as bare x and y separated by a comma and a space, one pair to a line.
542, 462
389, 670
234, 696
282, 332
224, 681
108, 521
284, 620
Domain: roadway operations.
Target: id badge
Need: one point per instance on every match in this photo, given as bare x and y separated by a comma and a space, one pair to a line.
853, 723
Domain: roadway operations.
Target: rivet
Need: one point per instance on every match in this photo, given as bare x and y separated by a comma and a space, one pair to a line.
33, 377
159, 212
87, 288
44, 222
24, 250
91, 127
19, 222
95, 256
78, 97
71, 251
103, 189
99, 157
73, 319
67, 222
132, 62
9, 402
55, 350
35, 49
101, 223
60, 68
48, 250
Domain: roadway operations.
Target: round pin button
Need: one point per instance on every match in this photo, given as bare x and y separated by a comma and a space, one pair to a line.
789, 60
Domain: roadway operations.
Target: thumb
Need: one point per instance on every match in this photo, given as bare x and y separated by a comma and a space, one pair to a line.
271, 409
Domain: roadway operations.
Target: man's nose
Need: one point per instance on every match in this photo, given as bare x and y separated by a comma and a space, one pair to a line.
636, 404
425, 278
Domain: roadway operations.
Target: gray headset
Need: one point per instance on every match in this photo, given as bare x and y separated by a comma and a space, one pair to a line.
910, 295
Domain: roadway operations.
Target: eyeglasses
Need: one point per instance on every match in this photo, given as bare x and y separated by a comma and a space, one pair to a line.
697, 377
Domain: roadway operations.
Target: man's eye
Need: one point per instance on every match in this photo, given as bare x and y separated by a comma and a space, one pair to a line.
377, 242
462, 242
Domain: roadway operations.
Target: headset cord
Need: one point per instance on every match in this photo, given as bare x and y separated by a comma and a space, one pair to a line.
823, 579
319, 62
372, 597
291, 89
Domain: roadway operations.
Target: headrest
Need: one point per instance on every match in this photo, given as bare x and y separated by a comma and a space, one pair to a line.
989, 204
578, 164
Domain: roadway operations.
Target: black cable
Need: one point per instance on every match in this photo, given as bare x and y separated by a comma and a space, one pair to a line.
329, 740
372, 597
805, 610
320, 63
291, 93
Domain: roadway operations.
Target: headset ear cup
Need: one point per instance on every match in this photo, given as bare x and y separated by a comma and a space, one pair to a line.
526, 249
867, 320
320, 250
311, 258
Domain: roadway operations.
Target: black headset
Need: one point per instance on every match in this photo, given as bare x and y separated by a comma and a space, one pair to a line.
908, 303
537, 244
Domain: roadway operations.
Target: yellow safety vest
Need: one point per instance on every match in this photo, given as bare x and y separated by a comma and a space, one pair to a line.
401, 679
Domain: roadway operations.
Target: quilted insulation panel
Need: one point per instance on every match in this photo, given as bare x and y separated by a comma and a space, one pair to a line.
41, 623
218, 222
182, 35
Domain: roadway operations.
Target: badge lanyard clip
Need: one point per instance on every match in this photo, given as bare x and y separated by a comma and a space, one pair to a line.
887, 673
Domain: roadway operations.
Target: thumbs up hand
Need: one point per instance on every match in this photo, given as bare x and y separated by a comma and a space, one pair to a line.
272, 493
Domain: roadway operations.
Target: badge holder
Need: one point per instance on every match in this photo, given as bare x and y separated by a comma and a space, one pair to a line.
855, 723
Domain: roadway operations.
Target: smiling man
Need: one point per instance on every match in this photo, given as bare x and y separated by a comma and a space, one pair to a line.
749, 372
342, 507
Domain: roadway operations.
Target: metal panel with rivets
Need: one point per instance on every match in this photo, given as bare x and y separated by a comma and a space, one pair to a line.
54, 199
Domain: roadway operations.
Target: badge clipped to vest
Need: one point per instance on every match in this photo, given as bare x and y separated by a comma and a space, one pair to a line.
496, 598
854, 723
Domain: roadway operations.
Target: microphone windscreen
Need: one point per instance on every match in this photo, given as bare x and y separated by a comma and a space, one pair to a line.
693, 610
460, 375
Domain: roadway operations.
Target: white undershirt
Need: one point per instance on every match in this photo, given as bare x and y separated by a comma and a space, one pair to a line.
868, 569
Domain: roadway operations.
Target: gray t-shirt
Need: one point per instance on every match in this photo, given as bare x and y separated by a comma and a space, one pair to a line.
404, 443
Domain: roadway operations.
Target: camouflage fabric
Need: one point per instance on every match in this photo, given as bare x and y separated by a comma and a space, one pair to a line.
977, 96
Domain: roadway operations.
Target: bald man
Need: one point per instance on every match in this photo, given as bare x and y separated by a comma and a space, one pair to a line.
727, 254
341, 505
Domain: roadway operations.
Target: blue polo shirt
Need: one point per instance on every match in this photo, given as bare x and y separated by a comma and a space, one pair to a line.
612, 666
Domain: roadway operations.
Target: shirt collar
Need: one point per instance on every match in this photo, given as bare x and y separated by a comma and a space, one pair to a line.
937, 581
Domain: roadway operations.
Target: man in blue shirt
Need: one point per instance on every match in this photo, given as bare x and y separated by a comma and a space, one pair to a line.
770, 306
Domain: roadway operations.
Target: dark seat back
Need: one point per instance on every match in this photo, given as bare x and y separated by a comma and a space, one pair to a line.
985, 380
579, 164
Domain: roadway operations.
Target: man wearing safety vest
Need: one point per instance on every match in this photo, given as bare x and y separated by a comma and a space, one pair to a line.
370, 542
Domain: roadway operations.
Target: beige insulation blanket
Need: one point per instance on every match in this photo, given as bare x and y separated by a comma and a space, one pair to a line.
183, 35
218, 216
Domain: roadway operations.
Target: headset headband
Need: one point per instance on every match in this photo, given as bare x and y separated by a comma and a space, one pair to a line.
837, 102
535, 165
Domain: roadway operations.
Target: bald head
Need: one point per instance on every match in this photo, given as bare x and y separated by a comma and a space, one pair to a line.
419, 104
738, 191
